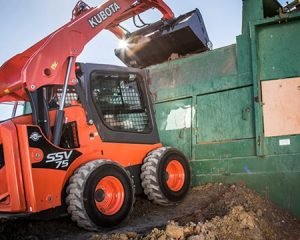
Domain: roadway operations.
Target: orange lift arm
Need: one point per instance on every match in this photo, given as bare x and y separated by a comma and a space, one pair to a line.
47, 62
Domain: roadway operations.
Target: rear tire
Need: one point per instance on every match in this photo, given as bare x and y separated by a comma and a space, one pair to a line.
100, 194
165, 176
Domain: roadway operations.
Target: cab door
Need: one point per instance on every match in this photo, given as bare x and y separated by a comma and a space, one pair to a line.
120, 104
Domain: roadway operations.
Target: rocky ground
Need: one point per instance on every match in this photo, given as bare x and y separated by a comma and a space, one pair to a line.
212, 212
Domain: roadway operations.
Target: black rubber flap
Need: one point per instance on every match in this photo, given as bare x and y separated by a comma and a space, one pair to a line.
157, 42
1, 157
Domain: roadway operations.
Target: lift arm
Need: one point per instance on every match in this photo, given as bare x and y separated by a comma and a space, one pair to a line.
45, 63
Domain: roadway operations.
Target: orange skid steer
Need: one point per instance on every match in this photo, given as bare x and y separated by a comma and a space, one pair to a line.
90, 141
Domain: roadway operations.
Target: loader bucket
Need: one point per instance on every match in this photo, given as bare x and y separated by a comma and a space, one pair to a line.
157, 42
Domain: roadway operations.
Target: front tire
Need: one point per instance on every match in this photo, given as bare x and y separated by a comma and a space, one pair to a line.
100, 195
165, 176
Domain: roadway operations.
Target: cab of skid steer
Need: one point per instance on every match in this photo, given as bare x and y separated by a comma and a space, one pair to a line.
120, 102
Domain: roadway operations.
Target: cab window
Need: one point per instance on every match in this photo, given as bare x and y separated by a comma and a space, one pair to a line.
119, 101
13, 109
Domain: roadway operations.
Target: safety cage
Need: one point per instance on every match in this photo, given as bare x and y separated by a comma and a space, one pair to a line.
119, 101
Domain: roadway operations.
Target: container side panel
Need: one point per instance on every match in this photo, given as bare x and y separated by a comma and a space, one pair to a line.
278, 50
198, 74
174, 119
274, 177
225, 115
225, 149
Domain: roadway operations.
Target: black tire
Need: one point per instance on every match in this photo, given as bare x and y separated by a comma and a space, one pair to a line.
82, 197
154, 178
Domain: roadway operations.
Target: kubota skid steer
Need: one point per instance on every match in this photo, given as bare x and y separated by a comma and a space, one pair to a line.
91, 140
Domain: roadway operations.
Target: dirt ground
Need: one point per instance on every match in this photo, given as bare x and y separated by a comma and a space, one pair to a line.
212, 212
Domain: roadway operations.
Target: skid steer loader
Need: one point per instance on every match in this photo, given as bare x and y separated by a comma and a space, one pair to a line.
89, 140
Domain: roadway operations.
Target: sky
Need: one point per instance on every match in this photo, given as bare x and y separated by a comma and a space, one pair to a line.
25, 22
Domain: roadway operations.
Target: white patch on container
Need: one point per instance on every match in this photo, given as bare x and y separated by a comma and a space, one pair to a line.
284, 142
179, 118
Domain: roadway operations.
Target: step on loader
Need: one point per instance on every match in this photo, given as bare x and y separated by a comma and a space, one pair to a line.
89, 139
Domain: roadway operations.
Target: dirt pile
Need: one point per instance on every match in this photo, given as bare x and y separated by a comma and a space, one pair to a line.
210, 212
238, 224
234, 212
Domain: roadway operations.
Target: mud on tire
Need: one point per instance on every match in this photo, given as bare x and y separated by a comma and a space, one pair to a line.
165, 176
100, 194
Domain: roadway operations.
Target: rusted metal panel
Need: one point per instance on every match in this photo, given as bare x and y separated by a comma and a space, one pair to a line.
197, 74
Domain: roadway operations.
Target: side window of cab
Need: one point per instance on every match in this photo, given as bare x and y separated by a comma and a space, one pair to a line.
10, 110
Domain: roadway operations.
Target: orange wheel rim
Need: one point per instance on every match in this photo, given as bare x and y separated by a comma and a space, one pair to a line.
175, 175
109, 195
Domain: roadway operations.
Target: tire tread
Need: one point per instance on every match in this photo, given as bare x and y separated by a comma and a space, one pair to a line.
75, 191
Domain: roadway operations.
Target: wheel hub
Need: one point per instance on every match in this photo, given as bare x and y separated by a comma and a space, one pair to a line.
175, 175
99, 195
109, 195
